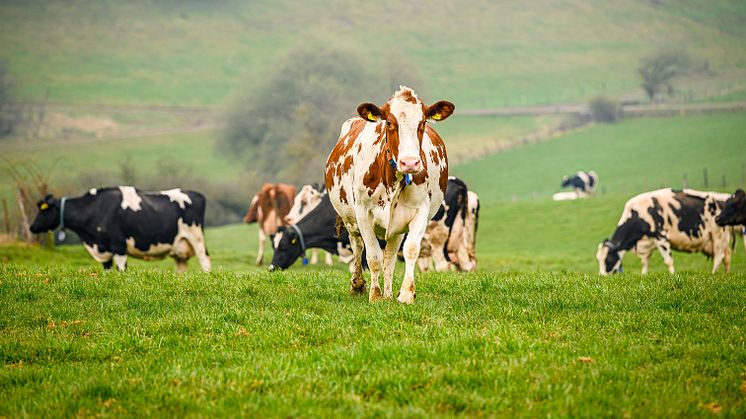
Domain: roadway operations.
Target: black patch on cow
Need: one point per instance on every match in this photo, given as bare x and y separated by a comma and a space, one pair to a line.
628, 233
100, 220
712, 207
690, 215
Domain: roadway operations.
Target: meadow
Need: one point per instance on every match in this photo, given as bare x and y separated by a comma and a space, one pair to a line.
491, 53
535, 332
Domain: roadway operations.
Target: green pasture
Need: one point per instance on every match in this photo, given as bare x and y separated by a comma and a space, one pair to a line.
485, 54
535, 332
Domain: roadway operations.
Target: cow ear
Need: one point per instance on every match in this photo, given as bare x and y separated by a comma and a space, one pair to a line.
369, 112
281, 229
440, 111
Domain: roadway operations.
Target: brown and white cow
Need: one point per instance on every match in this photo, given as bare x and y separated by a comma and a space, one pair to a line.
269, 207
666, 220
306, 200
386, 176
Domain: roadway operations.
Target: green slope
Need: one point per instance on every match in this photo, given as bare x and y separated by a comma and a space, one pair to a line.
478, 53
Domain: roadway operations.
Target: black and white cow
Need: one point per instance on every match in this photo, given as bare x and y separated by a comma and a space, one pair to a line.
113, 223
666, 220
582, 182
448, 240
316, 230
305, 201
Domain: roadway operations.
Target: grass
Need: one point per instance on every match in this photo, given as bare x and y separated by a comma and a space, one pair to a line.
495, 54
76, 341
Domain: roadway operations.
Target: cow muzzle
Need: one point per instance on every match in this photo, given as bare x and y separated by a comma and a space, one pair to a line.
409, 165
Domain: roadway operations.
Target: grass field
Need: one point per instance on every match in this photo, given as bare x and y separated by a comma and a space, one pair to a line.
535, 332
491, 54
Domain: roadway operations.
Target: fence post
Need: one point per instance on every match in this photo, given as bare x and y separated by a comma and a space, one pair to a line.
707, 183
724, 182
686, 182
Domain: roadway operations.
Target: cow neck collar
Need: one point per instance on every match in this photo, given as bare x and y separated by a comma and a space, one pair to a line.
302, 242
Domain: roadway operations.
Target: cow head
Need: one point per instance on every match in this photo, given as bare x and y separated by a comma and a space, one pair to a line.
307, 199
405, 116
734, 210
287, 249
609, 258
48, 217
565, 181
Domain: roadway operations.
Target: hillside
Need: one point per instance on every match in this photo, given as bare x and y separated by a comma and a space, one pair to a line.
479, 53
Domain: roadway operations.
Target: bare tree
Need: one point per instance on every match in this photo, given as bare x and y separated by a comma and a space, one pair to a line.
659, 69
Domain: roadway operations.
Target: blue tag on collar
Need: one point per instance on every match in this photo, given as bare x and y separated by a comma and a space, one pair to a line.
305, 261
407, 179
61, 236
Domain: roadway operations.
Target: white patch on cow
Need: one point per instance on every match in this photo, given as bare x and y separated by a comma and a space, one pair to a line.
97, 255
408, 115
121, 262
306, 200
130, 198
176, 195
583, 177
154, 251
92, 191
276, 241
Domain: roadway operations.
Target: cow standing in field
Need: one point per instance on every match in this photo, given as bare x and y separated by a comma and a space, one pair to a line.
667, 219
449, 238
316, 230
269, 207
304, 202
386, 176
584, 183
113, 223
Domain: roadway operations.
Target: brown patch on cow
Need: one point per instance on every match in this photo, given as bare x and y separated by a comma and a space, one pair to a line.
381, 203
379, 172
407, 96
434, 156
343, 195
342, 148
273, 200
440, 147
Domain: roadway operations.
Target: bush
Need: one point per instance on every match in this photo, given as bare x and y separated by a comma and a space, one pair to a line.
604, 110
660, 68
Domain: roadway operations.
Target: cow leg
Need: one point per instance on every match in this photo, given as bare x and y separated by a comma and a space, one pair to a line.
357, 282
722, 254
200, 250
314, 256
121, 262
411, 252
181, 265
328, 258
260, 252
389, 263
107, 265
664, 247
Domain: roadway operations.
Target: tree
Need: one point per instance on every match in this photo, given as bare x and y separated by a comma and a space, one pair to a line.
660, 68
285, 128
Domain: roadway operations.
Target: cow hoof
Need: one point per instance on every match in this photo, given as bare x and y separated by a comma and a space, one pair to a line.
357, 287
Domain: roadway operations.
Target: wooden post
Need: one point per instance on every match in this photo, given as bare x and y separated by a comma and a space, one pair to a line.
686, 182
707, 183
24, 220
723, 184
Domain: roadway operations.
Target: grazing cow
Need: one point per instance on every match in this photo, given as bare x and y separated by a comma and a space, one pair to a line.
115, 222
316, 230
386, 176
584, 183
667, 219
470, 229
445, 242
305, 201
269, 207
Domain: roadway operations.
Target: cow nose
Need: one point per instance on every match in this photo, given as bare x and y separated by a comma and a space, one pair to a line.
410, 164
271, 268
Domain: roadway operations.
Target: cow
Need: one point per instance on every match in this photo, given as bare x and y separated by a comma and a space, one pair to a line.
733, 214
316, 230
269, 207
386, 176
114, 223
446, 241
667, 219
583, 183
305, 201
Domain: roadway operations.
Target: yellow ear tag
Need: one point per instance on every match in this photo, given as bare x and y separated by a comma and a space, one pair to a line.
371, 118
293, 241
437, 116
43, 206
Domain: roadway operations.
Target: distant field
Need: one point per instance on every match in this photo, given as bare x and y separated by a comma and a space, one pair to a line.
490, 54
